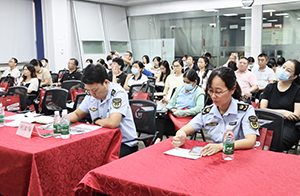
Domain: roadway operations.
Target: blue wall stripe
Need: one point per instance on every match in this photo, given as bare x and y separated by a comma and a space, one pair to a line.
39, 29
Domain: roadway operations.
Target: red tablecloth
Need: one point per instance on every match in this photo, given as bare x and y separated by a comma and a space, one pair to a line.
150, 172
50, 166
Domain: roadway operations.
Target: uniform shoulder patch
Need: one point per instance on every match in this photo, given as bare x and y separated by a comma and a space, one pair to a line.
253, 122
206, 110
242, 107
113, 92
117, 102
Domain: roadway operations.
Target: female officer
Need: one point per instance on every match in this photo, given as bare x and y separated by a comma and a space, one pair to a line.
225, 93
189, 96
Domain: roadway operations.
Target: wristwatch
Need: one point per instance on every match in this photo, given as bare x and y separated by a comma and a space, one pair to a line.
94, 121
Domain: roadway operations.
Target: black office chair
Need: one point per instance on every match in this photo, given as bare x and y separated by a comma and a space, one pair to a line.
8, 79
143, 112
152, 80
78, 100
71, 85
151, 90
54, 99
137, 88
22, 92
61, 73
54, 77
272, 121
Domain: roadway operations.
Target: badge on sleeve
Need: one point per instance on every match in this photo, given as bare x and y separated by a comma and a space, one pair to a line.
117, 102
206, 110
242, 107
253, 122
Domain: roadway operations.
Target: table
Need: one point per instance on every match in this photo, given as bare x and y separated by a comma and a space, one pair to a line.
50, 166
150, 172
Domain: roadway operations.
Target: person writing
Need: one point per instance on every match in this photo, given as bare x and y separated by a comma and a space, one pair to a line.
225, 92
188, 100
284, 97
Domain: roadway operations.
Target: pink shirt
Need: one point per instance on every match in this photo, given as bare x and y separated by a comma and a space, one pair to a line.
246, 80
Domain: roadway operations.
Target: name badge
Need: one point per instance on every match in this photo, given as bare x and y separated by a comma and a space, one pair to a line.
25, 129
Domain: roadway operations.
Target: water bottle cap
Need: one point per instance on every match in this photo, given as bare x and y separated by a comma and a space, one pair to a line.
65, 111
56, 112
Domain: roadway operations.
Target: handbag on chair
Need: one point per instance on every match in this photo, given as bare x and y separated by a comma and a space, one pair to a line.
180, 121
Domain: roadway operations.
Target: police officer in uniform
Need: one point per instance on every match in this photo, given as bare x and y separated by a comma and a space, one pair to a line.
227, 109
108, 105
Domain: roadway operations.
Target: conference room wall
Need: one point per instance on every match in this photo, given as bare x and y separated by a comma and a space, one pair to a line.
17, 34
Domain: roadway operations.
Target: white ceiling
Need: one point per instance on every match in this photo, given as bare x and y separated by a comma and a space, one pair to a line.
127, 3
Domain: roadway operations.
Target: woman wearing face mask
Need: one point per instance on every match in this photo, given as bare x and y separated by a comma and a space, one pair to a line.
136, 77
284, 97
88, 61
225, 92
188, 100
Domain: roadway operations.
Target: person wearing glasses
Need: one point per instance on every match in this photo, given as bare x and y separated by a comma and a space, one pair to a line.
225, 92
108, 105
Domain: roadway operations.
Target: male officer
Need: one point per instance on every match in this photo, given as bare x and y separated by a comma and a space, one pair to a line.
108, 106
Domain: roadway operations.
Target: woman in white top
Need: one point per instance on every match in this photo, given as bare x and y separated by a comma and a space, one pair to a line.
136, 77
173, 80
204, 72
30, 80
147, 63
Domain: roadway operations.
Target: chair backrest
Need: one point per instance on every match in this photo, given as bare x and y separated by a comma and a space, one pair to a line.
71, 85
54, 77
8, 79
143, 112
152, 80
151, 90
79, 98
22, 92
54, 99
137, 88
272, 121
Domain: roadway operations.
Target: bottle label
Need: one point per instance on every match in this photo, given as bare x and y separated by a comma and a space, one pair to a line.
56, 129
64, 130
228, 148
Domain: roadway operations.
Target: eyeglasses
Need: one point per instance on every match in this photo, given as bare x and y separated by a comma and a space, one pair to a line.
217, 93
92, 91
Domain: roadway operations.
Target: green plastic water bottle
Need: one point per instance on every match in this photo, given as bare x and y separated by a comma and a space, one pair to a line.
228, 144
65, 125
2, 114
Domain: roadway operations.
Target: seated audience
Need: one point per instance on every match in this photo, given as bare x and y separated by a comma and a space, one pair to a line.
232, 65
108, 105
13, 71
44, 62
115, 75
73, 74
136, 77
173, 80
109, 59
127, 61
188, 100
251, 63
147, 72
102, 63
280, 61
164, 72
147, 63
156, 61
233, 57
88, 61
246, 79
191, 64
30, 80
42, 73
210, 65
284, 97
225, 92
263, 73
204, 71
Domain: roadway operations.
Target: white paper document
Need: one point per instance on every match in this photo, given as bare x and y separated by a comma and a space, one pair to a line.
181, 152
83, 128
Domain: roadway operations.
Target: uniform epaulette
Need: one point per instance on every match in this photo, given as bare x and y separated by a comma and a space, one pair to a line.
206, 110
242, 107
113, 92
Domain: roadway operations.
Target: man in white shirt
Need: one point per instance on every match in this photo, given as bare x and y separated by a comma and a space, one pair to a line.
13, 71
264, 74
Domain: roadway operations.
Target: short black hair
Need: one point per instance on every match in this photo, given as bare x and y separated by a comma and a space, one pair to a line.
36, 62
280, 60
45, 60
75, 61
130, 53
119, 61
207, 55
157, 58
16, 60
89, 60
251, 59
108, 58
245, 59
191, 75
263, 55
94, 74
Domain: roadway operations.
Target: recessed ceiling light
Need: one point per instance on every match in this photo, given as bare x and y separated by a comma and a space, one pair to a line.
273, 20
245, 18
265, 11
233, 14
282, 14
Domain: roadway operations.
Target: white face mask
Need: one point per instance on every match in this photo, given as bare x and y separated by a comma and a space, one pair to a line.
109, 62
43, 64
